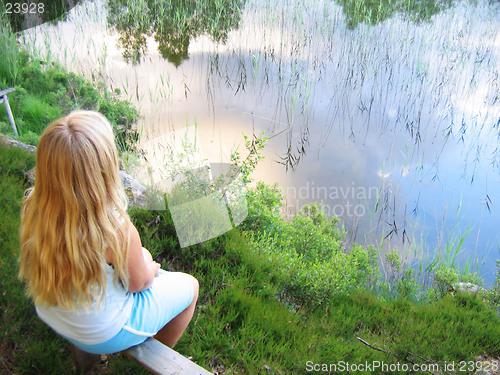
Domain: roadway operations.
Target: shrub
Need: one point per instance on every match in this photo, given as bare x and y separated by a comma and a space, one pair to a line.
445, 278
29, 138
309, 250
5, 128
36, 114
493, 295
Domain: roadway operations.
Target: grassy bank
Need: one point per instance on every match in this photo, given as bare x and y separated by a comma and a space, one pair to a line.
249, 319
45, 91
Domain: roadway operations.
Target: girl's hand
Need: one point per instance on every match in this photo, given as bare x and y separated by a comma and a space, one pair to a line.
155, 267
148, 258
141, 267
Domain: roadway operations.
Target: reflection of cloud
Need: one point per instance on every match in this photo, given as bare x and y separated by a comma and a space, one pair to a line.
383, 175
405, 170
392, 113
479, 102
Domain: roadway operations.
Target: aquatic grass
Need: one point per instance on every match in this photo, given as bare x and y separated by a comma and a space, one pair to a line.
418, 270
386, 81
9, 66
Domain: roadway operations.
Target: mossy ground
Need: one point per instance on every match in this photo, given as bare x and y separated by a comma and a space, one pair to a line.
239, 325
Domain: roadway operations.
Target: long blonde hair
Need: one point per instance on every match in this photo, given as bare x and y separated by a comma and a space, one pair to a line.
73, 217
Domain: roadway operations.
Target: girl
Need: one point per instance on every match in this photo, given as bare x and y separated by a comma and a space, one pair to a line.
82, 258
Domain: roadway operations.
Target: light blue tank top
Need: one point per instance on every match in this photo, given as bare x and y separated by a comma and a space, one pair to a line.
97, 325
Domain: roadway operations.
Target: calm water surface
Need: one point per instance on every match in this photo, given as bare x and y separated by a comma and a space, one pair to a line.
393, 127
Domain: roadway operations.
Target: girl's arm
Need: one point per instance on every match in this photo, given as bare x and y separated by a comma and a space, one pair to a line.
141, 273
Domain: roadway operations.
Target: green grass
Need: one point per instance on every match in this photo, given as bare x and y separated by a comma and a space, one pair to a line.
240, 326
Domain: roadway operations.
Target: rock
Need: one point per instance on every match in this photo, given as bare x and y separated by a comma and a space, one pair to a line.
10, 142
487, 365
467, 287
30, 176
138, 195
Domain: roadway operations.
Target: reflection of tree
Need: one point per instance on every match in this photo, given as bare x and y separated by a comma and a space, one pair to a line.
173, 23
173, 43
375, 11
32, 13
133, 43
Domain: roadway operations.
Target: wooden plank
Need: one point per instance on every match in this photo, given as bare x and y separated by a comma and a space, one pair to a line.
160, 359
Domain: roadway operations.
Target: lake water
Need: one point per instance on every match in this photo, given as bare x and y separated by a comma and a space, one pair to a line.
393, 126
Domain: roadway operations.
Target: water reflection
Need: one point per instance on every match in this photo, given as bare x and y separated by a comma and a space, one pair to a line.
375, 11
172, 24
407, 113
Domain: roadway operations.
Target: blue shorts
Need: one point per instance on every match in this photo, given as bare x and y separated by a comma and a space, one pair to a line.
169, 295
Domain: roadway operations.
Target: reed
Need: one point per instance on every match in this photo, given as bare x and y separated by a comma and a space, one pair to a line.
9, 65
300, 68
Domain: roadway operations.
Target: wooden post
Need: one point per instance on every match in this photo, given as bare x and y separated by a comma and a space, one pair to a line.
5, 100
84, 361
